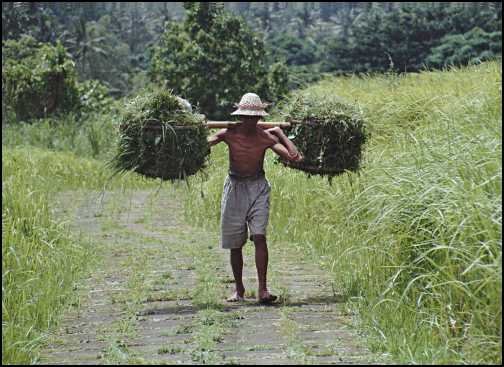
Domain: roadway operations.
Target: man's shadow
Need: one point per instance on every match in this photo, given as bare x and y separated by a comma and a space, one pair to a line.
281, 302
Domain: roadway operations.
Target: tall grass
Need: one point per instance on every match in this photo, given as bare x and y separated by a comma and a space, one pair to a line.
414, 238
93, 136
41, 259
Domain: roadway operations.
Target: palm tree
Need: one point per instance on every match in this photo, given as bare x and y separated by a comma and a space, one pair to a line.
84, 46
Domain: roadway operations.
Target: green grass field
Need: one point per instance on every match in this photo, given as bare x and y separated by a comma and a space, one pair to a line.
41, 258
413, 238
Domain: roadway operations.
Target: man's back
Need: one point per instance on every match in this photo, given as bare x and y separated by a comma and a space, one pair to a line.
247, 150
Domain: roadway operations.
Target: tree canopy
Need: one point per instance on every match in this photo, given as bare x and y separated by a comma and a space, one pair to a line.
204, 50
213, 58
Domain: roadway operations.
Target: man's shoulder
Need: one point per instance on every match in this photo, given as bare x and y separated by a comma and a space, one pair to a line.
222, 133
262, 133
269, 137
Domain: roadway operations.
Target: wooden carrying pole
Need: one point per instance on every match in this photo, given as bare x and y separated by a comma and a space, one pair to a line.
263, 124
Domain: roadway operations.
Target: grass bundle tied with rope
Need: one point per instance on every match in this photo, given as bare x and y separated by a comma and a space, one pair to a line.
160, 137
330, 134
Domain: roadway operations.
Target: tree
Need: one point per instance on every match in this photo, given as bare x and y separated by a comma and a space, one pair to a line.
461, 49
262, 12
404, 36
38, 79
294, 50
100, 54
84, 45
32, 19
212, 59
326, 10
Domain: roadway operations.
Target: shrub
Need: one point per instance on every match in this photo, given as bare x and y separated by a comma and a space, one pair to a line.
474, 46
94, 96
38, 79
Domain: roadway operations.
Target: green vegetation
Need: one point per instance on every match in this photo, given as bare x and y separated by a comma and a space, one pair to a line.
92, 137
405, 36
413, 238
121, 43
38, 80
99, 52
472, 47
161, 138
212, 58
41, 259
329, 133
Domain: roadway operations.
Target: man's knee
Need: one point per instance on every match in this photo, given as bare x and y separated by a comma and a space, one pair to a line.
236, 251
259, 239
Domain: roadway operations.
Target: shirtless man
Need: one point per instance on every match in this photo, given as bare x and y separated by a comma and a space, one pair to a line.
245, 198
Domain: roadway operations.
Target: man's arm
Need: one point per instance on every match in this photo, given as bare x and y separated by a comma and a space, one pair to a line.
288, 144
217, 137
282, 151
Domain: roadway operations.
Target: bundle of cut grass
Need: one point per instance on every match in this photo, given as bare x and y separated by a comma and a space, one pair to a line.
329, 133
161, 137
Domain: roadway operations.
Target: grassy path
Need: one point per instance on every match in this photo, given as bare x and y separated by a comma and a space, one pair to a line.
157, 295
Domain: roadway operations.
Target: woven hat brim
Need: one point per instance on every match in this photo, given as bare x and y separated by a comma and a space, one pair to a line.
250, 113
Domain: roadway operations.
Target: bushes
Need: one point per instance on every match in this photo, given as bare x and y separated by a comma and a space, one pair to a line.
94, 97
474, 46
38, 79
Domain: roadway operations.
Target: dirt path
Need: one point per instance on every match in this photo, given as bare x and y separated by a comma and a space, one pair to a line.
156, 296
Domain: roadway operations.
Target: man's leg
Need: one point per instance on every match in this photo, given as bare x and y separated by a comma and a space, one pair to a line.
261, 259
237, 266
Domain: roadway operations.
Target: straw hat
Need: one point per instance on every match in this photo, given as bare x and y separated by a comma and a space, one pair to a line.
251, 105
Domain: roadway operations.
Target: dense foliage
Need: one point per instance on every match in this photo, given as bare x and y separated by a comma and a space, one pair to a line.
115, 42
94, 97
474, 46
212, 59
404, 39
38, 79
100, 53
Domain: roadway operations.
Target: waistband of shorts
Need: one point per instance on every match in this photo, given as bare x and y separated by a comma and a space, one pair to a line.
258, 175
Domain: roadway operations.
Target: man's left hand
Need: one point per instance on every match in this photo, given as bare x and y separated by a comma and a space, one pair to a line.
296, 156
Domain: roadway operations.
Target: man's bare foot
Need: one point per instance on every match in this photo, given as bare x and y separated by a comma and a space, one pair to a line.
266, 297
235, 297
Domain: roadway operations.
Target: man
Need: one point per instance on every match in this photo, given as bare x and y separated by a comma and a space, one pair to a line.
245, 197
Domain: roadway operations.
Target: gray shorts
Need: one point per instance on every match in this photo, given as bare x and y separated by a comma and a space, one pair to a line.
244, 201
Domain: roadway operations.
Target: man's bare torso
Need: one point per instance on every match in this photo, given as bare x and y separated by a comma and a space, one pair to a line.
247, 150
